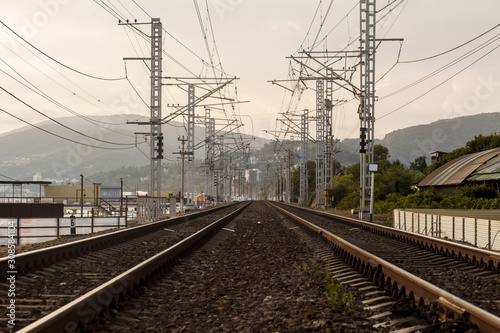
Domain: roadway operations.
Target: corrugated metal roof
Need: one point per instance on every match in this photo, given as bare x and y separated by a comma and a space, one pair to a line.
489, 172
456, 171
488, 176
491, 169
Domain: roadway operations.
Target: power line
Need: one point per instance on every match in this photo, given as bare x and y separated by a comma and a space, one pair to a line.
60, 136
39, 92
9, 177
141, 8
452, 49
448, 65
61, 124
57, 61
29, 63
438, 85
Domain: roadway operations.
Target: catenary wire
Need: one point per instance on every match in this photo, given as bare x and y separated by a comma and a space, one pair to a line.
58, 62
450, 50
41, 93
61, 124
60, 136
29, 63
438, 85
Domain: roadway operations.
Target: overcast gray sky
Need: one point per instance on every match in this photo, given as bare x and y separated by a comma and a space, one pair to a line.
253, 39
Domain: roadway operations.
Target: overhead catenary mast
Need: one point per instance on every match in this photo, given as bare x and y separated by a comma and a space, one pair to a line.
155, 121
366, 108
155, 129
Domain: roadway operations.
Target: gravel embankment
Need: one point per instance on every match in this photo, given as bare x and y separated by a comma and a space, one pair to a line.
261, 278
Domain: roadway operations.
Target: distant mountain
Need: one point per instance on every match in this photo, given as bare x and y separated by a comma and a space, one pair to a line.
443, 135
28, 151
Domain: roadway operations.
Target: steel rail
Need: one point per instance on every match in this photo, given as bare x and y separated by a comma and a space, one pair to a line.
74, 316
479, 257
387, 274
45, 256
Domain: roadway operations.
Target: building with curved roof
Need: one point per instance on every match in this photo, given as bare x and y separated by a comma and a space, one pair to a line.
482, 166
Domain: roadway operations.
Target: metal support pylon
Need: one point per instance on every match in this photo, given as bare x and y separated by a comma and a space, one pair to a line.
209, 153
304, 131
367, 104
190, 146
328, 114
320, 145
155, 128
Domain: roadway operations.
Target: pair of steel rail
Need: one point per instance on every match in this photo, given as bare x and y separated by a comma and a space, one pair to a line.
386, 274
74, 316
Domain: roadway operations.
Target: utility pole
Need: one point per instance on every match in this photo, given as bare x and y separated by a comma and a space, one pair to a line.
282, 188
183, 153
230, 170
190, 145
320, 145
121, 197
288, 179
328, 114
81, 195
209, 150
367, 105
304, 128
155, 134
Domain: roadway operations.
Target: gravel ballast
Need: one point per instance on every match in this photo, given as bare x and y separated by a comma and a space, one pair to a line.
260, 277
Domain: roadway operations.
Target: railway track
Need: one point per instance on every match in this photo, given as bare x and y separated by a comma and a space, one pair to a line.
52, 277
460, 282
248, 279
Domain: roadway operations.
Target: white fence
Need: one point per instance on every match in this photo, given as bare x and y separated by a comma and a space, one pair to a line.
482, 233
150, 209
34, 230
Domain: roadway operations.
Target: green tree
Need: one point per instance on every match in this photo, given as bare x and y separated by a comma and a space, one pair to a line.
478, 191
479, 143
380, 153
419, 164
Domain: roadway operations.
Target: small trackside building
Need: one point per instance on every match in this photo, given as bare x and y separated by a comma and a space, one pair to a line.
480, 167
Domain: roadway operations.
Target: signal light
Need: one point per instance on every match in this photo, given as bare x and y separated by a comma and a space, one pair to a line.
159, 146
362, 140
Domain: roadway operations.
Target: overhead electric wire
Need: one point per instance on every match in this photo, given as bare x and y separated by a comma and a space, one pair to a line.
448, 65
223, 73
335, 27
60, 136
41, 93
390, 3
29, 63
311, 24
117, 14
128, 11
57, 61
438, 85
452, 49
209, 19
9, 177
61, 124
141, 8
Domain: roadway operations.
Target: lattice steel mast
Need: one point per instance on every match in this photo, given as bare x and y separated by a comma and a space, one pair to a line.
304, 132
155, 121
320, 144
367, 104
328, 154
190, 145
155, 129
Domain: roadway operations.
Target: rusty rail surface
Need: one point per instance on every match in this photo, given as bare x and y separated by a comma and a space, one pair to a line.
39, 258
386, 274
74, 316
479, 257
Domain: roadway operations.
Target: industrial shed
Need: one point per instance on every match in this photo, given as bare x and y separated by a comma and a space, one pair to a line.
483, 167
